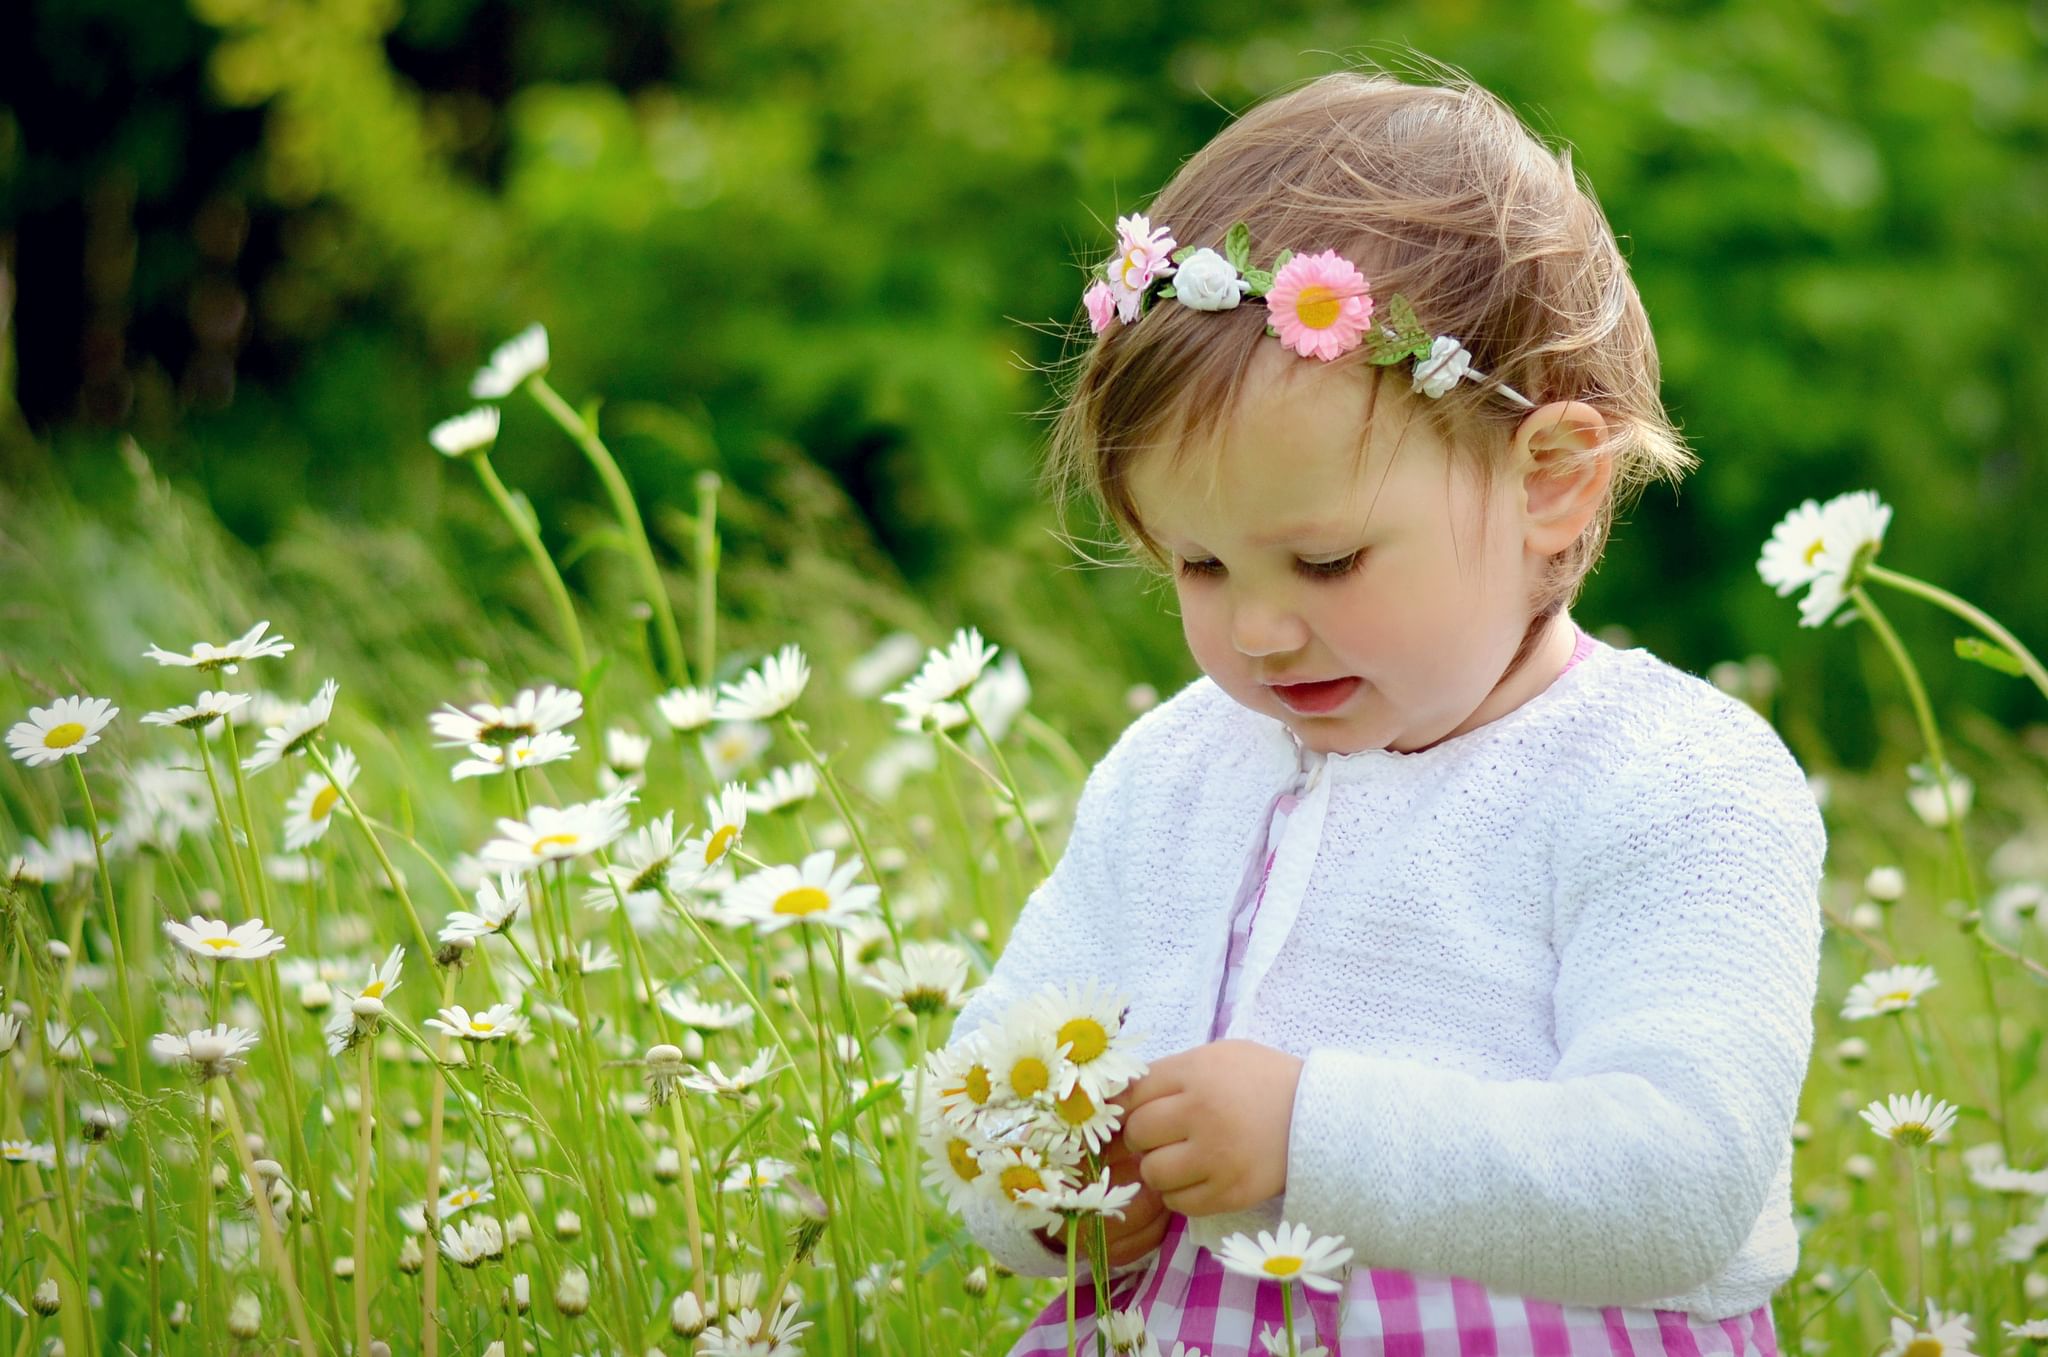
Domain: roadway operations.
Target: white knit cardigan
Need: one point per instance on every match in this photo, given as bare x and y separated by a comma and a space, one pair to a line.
1552, 980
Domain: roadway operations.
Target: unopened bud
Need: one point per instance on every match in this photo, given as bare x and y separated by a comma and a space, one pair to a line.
410, 1259
568, 1225
46, 1301
245, 1317
664, 1058
975, 1283
344, 1268
367, 1006
315, 995
269, 1170
1852, 1051
686, 1315
572, 1292
521, 1293
180, 1313
668, 1164
58, 949
1885, 884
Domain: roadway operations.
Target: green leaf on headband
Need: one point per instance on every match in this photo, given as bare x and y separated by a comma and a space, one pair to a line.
1261, 281
1382, 348
1168, 291
1407, 329
1237, 247
1280, 262
1180, 256
1273, 332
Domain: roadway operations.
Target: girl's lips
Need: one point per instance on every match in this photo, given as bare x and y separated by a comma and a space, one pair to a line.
1318, 698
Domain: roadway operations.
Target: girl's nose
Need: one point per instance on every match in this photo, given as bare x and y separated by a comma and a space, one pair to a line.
1258, 628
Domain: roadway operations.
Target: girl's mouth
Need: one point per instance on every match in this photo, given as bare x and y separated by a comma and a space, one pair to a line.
1315, 699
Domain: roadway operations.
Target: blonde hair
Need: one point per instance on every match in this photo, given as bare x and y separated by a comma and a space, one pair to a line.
1436, 191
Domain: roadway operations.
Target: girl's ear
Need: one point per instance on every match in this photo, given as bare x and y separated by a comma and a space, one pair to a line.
1563, 473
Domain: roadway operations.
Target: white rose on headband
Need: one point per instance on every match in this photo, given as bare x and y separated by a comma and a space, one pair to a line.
1443, 368
1206, 282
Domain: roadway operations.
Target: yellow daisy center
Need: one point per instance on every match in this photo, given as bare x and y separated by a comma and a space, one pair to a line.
324, 802
375, 990
1019, 1178
1899, 997
716, 846
961, 1157
64, 736
1924, 1346
1088, 1037
1076, 1108
479, 1025
1284, 1266
1912, 1133
1814, 551
1029, 1075
547, 841
801, 901
220, 944
979, 1085
1316, 306
466, 1197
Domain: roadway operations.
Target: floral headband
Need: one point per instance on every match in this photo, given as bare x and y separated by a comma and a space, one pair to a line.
1320, 304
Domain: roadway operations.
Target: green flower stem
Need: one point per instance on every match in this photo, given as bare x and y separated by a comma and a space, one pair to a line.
362, 1239
1073, 1334
913, 1189
536, 550
843, 1203
125, 990
1010, 781
1923, 712
75, 1316
220, 811
867, 858
1970, 613
1098, 1267
585, 436
1919, 1238
377, 847
707, 554
1287, 1313
272, 1244
437, 1118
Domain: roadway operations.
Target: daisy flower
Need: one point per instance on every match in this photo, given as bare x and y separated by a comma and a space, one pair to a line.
765, 692
310, 811
890, 659
468, 1243
816, 893
489, 1024
1082, 1116
209, 708
160, 804
2008, 1181
757, 1175
1098, 1198
296, 731
952, 1162
70, 725
1320, 304
926, 978
963, 1076
209, 1052
647, 858
1024, 1058
357, 1014
1087, 1026
1125, 1330
28, 1152
496, 905
1823, 548
533, 712
946, 673
465, 433
207, 657
554, 834
725, 821
783, 788
1287, 1254
1911, 1120
1943, 1336
733, 745
686, 709
1790, 560
748, 1333
712, 1079
1276, 1343
1891, 990
1017, 1169
1144, 253
527, 751
216, 941
704, 1018
512, 362
1926, 798
624, 752
2023, 1243
462, 1198
2035, 1330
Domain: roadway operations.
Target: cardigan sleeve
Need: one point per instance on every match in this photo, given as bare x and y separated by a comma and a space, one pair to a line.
1065, 930
1687, 934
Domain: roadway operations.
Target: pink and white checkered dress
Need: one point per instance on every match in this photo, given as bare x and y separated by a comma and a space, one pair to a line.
1188, 1296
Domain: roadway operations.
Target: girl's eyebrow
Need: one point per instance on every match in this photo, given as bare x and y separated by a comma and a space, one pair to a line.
1296, 531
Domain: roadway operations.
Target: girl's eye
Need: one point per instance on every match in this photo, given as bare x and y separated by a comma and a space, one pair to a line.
1315, 570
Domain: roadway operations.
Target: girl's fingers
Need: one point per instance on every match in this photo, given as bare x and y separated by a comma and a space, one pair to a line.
1132, 1247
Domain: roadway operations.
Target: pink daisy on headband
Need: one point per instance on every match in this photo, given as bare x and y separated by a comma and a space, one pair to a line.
1101, 303
1143, 253
1320, 305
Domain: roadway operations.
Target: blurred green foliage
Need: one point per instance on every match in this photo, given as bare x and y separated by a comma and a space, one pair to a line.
852, 232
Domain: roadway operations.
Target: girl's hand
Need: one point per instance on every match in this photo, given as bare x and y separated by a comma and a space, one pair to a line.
1144, 1221
1210, 1125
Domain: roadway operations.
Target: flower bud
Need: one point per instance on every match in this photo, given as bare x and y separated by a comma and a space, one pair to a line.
344, 1268
315, 995
568, 1225
664, 1057
367, 1006
975, 1283
519, 1229
46, 1301
180, 1314
220, 1177
668, 1164
269, 1170
521, 1293
1801, 1132
410, 1259
245, 1317
686, 1315
59, 950
1886, 885
1852, 1051
572, 1292
1860, 1167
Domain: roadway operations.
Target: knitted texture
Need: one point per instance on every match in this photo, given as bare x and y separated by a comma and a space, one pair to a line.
1552, 980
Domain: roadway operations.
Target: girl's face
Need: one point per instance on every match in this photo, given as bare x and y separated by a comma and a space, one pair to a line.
1300, 569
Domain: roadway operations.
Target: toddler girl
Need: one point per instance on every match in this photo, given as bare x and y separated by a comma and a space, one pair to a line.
1444, 926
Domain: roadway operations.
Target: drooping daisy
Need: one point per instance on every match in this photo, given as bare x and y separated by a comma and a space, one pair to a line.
765, 692
1891, 990
701, 1017
815, 892
1288, 1254
1925, 795
1098, 1198
1911, 1120
791, 785
534, 711
511, 363
207, 657
357, 1014
554, 834
890, 659
647, 861
467, 1243
925, 977
725, 822
459, 435
216, 941
749, 1333
211, 1052
70, 725
745, 1078
1015, 1169
311, 809
1943, 1336
686, 709
1320, 304
489, 1024
625, 752
946, 673
733, 745
1087, 1025
952, 1161
757, 1175
202, 713
28, 1152
528, 751
296, 731
1790, 560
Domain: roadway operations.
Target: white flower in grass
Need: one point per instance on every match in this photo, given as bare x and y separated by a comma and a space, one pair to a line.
1288, 1254
459, 435
2023, 1243
704, 1018
926, 977
511, 363
595, 958
64, 851
1790, 560
757, 1175
783, 788
555, 834
2034, 1329
686, 709
894, 657
216, 941
1086, 1022
995, 699
161, 803
647, 861
311, 808
1943, 1336
733, 745
1911, 1120
462, 1198
946, 673
489, 1024
360, 1010
207, 657
28, 1152
10, 1032
1099, 1198
70, 725
203, 712
743, 1080
296, 731
496, 906
1886, 885
749, 1333
1024, 1058
1891, 990
468, 1243
815, 893
535, 711
952, 1161
725, 825
1014, 1169
964, 1078
527, 751
765, 692
2000, 1177
210, 1052
625, 752
1925, 795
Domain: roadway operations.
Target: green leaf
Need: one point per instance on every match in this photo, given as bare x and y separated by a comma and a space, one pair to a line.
1401, 319
1281, 262
1261, 281
1273, 332
1237, 247
1168, 291
1989, 655
2027, 1060
862, 1104
1180, 256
